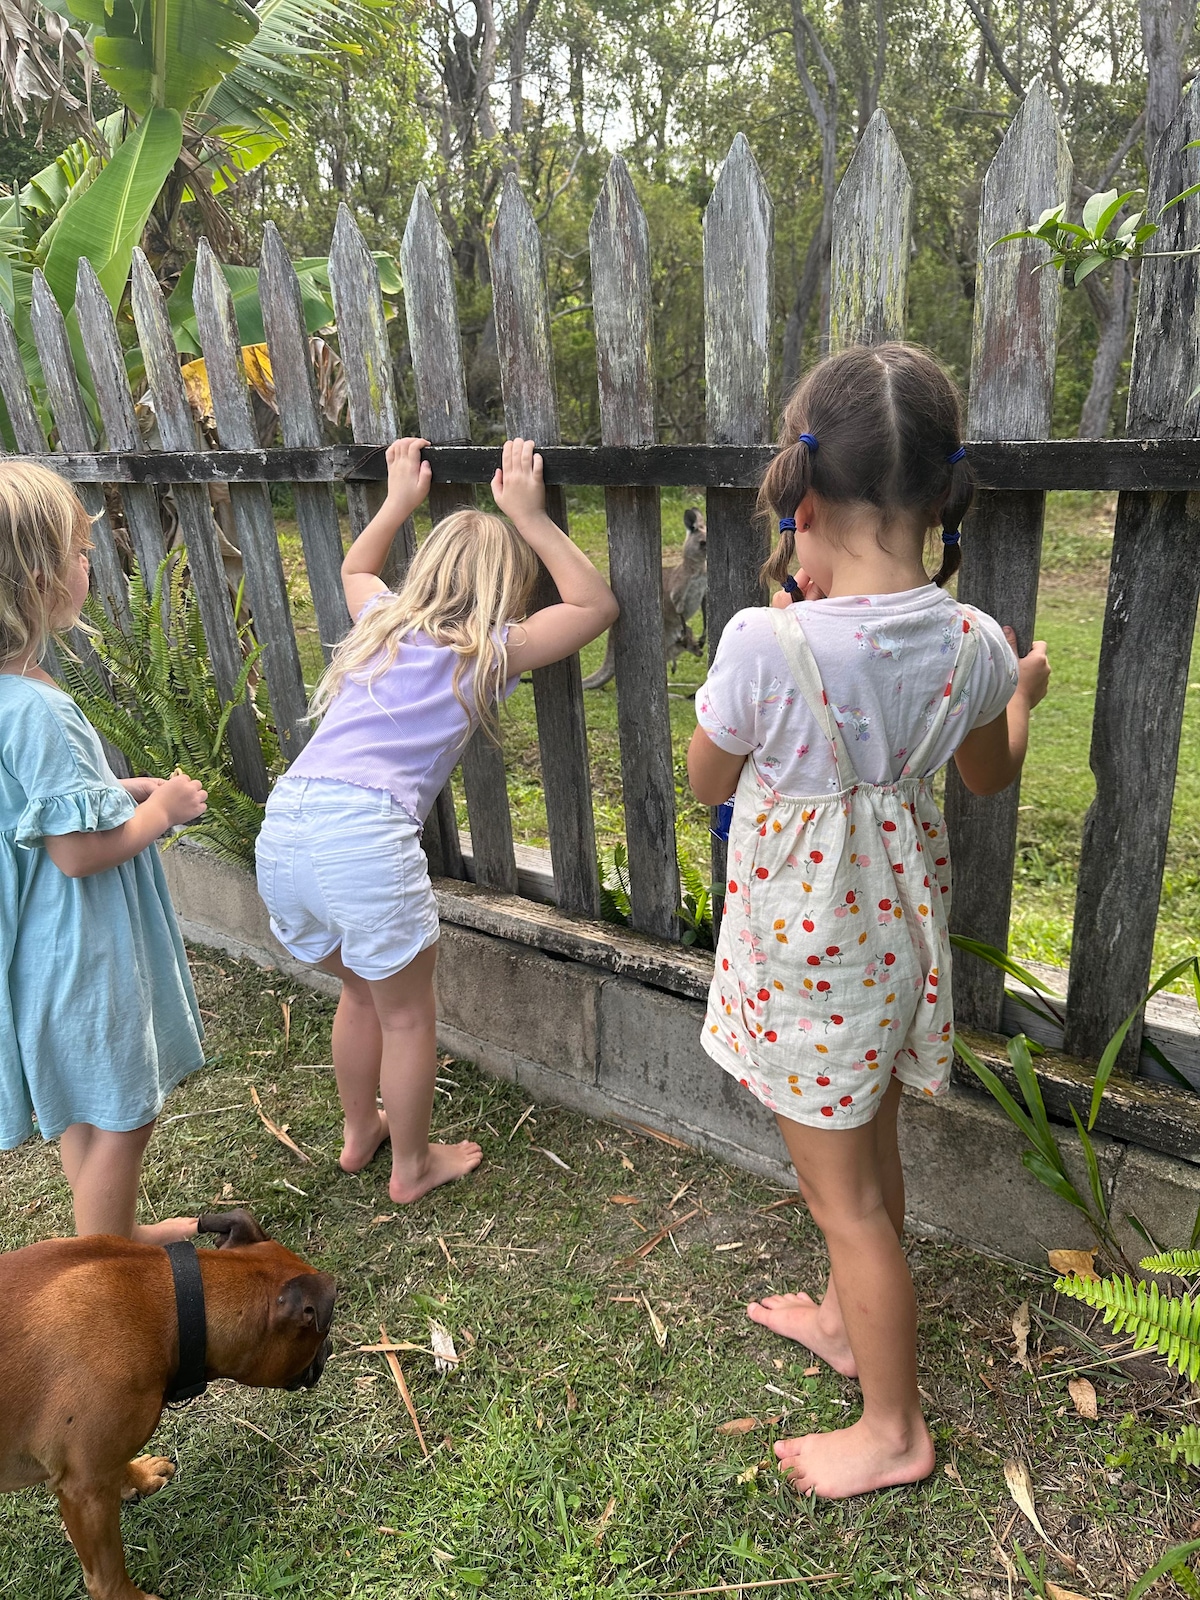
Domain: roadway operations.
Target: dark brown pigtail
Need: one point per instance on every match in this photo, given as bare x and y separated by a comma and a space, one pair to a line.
958, 503
787, 482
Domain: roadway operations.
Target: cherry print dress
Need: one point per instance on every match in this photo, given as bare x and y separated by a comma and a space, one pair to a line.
833, 960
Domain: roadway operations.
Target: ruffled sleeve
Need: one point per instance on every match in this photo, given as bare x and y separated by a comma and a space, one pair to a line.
91, 810
55, 757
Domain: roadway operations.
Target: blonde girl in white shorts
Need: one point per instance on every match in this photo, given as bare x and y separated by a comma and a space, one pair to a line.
830, 719
339, 858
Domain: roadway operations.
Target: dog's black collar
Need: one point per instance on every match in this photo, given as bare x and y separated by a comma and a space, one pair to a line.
189, 1380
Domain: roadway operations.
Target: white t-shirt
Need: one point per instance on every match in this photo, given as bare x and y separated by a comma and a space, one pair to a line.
883, 661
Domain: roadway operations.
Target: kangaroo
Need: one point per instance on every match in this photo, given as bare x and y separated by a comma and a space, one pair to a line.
684, 588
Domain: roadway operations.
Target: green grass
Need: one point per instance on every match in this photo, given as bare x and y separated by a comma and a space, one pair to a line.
1057, 785
571, 1455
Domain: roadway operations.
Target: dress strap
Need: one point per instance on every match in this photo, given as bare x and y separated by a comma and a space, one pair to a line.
964, 660
803, 667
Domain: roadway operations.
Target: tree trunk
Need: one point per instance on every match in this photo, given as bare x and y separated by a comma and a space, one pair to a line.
1166, 30
1111, 307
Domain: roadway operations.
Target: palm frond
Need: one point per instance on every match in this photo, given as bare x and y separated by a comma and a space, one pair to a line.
1169, 1324
1182, 1446
1182, 1263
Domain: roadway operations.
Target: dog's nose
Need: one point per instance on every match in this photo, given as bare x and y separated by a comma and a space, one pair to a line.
312, 1372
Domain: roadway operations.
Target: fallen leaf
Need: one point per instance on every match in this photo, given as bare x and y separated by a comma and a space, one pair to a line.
273, 1127
1055, 1591
572, 1402
286, 1007
445, 1356
1020, 1328
1020, 1486
1084, 1396
1081, 1263
550, 1156
528, 1112
812, 1372
624, 1200
750, 1473
605, 1515
657, 1324
663, 1138
738, 1425
719, 1247
627, 1164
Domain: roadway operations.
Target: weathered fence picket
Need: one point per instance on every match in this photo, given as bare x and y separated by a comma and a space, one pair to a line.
18, 402
75, 433
301, 427
621, 300
1145, 649
872, 240
522, 310
738, 265
266, 585
1012, 386
110, 381
444, 417
178, 432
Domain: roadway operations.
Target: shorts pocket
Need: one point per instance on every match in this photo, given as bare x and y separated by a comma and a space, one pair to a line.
363, 881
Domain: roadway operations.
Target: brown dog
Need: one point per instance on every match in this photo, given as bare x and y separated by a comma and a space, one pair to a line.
90, 1343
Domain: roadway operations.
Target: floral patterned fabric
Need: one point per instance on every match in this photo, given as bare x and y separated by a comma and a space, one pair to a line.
833, 961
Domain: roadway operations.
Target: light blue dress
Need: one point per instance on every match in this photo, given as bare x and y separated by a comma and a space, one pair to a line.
98, 1017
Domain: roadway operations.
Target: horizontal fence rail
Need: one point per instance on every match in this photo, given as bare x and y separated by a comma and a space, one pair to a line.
169, 488
1142, 465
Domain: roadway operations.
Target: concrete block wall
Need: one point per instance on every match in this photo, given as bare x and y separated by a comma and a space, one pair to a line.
607, 1023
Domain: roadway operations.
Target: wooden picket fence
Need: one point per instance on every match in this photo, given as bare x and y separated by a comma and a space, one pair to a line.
1155, 579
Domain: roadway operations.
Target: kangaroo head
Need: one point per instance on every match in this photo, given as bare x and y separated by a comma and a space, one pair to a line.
696, 542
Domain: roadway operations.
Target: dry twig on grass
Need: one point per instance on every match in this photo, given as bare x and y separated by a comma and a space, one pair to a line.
656, 1239
389, 1355
273, 1127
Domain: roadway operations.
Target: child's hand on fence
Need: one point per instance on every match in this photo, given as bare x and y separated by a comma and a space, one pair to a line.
517, 487
408, 477
1033, 670
180, 799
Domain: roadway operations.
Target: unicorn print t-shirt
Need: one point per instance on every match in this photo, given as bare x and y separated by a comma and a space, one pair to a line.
883, 660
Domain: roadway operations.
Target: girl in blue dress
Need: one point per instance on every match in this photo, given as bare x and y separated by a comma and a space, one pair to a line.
98, 1019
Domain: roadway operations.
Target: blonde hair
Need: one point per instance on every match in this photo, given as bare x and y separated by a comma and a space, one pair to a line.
472, 576
42, 524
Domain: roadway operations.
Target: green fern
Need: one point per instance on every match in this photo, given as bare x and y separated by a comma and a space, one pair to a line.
615, 903
1182, 1263
1183, 1446
154, 697
1168, 1323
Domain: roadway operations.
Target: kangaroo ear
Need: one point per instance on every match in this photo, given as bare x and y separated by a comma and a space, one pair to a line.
689, 519
307, 1300
231, 1228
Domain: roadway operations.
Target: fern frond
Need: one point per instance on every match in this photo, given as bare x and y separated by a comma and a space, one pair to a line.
1182, 1263
1168, 1323
1183, 1446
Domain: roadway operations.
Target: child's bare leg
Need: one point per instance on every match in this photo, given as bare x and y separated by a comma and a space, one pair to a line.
103, 1170
820, 1327
407, 1011
890, 1443
357, 1056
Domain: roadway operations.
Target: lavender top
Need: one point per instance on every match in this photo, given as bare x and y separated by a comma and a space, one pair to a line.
403, 733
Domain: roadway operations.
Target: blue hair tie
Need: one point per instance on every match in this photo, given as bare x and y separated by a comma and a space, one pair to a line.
951, 535
957, 455
787, 524
810, 439
791, 587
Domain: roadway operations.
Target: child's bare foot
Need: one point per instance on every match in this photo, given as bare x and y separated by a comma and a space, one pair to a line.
359, 1152
444, 1163
169, 1232
856, 1460
799, 1317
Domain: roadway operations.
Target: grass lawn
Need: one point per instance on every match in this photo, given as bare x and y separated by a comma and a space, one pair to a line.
1057, 786
575, 1451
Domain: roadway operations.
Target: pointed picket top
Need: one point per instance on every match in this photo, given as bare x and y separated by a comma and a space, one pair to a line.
738, 266
431, 306
287, 340
18, 402
171, 410
1166, 344
872, 239
522, 310
362, 333
221, 343
58, 368
621, 304
110, 381
1016, 305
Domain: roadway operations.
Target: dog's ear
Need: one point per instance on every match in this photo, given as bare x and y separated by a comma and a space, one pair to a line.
308, 1300
231, 1228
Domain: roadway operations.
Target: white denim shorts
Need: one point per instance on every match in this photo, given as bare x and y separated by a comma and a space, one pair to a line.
342, 866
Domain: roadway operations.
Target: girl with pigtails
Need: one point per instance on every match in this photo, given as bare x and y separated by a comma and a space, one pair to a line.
830, 719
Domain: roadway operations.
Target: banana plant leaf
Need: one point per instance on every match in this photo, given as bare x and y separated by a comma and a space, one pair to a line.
243, 286
166, 53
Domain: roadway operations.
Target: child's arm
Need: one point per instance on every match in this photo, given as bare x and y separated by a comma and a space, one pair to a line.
408, 484
712, 772
79, 855
991, 757
588, 605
